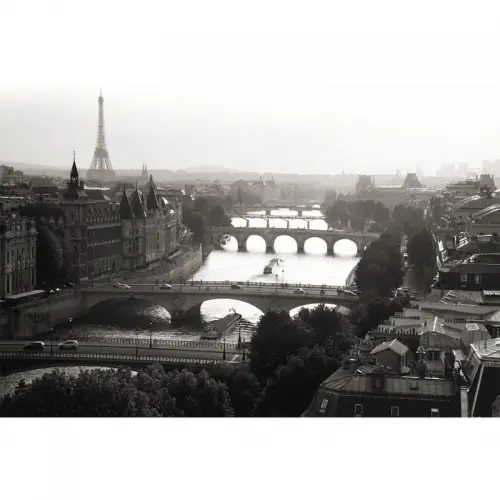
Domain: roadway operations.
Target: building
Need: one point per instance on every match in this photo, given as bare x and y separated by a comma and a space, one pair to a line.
482, 372
17, 255
479, 272
364, 390
92, 229
150, 226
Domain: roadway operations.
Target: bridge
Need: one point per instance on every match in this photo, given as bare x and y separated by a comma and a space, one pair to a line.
297, 206
286, 218
182, 300
269, 235
186, 300
116, 351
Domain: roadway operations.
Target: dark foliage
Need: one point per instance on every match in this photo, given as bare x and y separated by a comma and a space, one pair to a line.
420, 249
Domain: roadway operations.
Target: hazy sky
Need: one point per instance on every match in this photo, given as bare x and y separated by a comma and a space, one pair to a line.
298, 86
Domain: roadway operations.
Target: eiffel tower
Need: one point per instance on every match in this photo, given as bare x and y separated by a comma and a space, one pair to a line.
100, 168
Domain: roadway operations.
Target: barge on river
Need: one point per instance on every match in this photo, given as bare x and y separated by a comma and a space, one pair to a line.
273, 266
219, 327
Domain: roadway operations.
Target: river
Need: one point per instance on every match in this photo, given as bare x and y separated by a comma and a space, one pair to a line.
313, 266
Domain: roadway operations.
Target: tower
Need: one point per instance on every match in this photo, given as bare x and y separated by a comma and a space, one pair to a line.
100, 167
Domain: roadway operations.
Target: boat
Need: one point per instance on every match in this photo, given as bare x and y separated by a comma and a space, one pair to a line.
272, 265
219, 327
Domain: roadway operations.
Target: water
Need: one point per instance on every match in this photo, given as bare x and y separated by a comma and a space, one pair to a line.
314, 267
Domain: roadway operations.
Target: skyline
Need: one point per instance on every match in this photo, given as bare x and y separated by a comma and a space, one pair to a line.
312, 90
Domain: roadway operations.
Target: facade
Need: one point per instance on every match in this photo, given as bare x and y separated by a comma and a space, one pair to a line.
486, 221
17, 255
150, 226
92, 229
482, 372
479, 272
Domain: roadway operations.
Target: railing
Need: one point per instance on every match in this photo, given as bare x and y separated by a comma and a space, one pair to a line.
194, 345
256, 284
106, 356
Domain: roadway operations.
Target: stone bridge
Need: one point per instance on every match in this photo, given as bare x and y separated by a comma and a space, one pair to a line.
269, 234
188, 302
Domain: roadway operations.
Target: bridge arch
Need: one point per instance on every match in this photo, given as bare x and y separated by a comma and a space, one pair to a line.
317, 241
345, 247
284, 241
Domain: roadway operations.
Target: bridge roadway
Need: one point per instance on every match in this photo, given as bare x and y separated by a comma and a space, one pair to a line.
135, 352
183, 301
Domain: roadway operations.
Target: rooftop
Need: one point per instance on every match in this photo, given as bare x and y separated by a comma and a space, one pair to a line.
392, 345
485, 212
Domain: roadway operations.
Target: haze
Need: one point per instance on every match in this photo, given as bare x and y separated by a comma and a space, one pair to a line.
305, 86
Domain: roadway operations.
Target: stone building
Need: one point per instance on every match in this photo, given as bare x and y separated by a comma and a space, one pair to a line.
92, 229
149, 226
17, 255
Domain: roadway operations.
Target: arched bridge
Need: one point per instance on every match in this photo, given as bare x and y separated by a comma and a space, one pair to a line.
187, 301
269, 234
286, 218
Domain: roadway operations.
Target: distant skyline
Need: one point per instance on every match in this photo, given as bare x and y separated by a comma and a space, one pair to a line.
299, 87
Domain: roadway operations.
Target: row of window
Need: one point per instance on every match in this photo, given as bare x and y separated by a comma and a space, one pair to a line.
477, 279
18, 255
358, 411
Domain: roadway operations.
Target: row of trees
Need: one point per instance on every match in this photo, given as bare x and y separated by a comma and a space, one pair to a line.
358, 213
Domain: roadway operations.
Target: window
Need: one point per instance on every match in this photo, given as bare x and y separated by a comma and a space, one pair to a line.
477, 279
358, 410
394, 411
433, 355
463, 279
434, 412
323, 406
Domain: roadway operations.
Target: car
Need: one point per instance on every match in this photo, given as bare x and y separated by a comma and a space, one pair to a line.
36, 345
165, 286
299, 291
57, 290
235, 286
122, 286
406, 289
68, 344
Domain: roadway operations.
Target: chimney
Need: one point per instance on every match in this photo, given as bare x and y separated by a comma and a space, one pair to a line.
82, 184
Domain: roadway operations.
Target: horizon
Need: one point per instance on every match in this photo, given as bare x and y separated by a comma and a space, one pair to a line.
316, 90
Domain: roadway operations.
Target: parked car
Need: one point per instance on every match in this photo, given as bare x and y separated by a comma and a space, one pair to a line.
299, 291
235, 286
165, 286
69, 344
36, 345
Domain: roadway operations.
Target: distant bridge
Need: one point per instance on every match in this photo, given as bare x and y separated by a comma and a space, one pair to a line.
287, 218
269, 234
297, 206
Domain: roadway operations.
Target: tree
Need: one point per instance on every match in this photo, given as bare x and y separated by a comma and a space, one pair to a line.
244, 389
276, 338
49, 257
218, 217
339, 211
373, 311
420, 249
379, 271
291, 389
119, 393
409, 219
195, 222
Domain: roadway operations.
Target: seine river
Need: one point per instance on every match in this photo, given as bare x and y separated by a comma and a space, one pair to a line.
313, 266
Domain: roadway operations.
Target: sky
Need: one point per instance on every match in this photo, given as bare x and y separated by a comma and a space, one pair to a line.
268, 86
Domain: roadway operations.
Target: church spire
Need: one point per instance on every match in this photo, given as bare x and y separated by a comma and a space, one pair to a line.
73, 176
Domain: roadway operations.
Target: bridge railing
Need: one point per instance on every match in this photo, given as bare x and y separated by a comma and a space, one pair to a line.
75, 355
132, 341
250, 284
